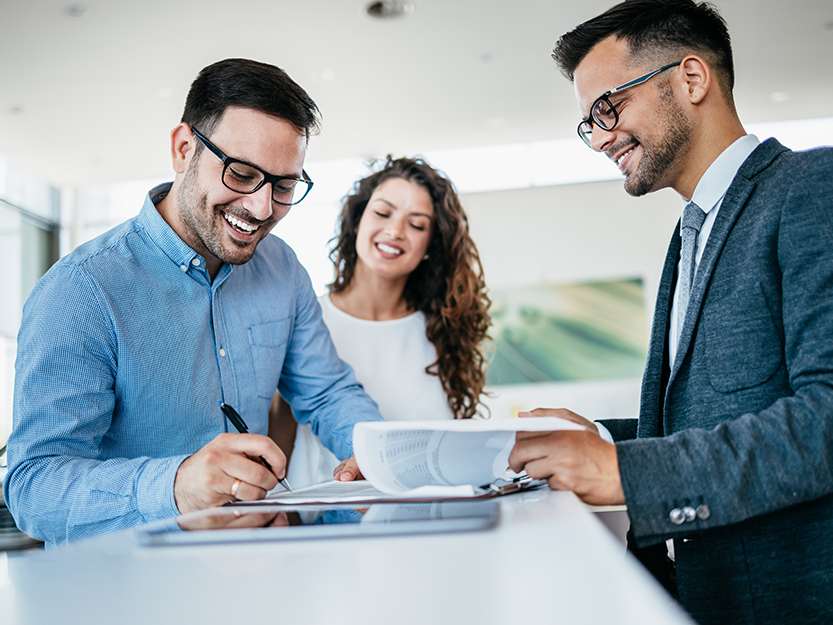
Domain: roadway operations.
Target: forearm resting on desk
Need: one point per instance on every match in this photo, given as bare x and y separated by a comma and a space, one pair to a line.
59, 499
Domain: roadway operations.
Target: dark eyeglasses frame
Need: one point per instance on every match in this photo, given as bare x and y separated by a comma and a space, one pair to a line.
587, 124
228, 160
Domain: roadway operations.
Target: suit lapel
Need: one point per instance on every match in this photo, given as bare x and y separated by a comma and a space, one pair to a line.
732, 204
736, 197
653, 386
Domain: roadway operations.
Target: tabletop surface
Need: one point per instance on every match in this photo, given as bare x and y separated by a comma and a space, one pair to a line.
549, 560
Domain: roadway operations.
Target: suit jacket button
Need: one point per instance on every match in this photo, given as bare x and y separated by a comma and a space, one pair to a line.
689, 513
676, 516
703, 512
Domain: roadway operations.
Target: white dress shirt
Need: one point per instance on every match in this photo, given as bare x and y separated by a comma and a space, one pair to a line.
708, 196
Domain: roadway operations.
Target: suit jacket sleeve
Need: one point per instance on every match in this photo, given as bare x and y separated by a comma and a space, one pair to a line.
620, 429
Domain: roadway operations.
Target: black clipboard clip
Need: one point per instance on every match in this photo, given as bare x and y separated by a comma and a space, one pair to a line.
520, 483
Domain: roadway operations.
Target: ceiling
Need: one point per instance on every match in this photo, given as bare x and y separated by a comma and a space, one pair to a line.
89, 89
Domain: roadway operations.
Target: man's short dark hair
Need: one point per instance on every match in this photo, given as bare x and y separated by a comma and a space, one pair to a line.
249, 84
659, 31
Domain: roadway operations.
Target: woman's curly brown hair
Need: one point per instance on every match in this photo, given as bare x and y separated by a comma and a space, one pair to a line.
448, 286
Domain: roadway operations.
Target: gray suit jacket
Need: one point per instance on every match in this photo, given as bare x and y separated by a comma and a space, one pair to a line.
739, 432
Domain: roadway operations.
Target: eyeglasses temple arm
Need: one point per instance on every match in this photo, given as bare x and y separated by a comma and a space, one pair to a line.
642, 79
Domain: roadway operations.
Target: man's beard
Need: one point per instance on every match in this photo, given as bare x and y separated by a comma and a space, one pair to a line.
671, 150
201, 220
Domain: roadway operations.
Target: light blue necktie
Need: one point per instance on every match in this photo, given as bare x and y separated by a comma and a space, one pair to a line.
692, 221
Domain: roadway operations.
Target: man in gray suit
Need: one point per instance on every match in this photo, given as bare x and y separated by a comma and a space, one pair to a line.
732, 457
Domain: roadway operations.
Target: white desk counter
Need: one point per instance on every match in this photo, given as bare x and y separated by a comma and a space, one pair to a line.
550, 560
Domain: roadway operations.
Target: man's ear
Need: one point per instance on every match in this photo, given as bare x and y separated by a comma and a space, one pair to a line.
182, 147
697, 77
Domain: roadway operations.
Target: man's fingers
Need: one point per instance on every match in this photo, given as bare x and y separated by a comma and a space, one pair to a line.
538, 446
241, 490
537, 469
249, 470
527, 448
256, 446
281, 520
231, 462
519, 436
562, 413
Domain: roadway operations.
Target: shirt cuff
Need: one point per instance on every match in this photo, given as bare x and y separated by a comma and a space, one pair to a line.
603, 432
155, 489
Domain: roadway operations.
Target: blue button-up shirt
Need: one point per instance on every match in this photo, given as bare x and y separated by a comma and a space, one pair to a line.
126, 349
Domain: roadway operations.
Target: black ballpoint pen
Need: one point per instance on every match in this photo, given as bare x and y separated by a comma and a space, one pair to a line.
237, 422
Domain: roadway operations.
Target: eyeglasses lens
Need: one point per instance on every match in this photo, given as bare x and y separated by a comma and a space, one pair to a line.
585, 131
242, 178
604, 114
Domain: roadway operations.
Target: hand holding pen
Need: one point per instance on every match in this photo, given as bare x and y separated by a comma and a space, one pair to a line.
222, 471
240, 425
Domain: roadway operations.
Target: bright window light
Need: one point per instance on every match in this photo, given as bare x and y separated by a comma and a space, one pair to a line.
310, 225
541, 163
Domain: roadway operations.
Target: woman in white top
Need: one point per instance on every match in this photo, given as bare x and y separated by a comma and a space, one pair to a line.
408, 306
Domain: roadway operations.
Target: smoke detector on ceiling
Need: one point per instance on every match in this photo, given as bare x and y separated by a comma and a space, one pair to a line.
388, 9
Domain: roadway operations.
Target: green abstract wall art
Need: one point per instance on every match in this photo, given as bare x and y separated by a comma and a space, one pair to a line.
568, 332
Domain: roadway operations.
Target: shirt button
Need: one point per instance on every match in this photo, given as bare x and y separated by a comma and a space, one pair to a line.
703, 512
183, 267
222, 352
676, 516
195, 262
689, 513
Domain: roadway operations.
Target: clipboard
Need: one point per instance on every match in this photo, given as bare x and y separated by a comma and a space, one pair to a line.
362, 492
515, 485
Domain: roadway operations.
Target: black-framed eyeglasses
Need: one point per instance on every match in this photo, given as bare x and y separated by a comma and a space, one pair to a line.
604, 114
241, 177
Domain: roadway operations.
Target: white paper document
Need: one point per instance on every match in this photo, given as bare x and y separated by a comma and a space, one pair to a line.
360, 491
416, 460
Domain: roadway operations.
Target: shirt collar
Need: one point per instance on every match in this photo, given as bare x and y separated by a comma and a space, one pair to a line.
162, 234
715, 182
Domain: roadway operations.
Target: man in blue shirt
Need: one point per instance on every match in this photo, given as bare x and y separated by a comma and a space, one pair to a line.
129, 344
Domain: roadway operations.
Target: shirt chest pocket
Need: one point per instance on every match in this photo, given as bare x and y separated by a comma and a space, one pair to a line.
268, 342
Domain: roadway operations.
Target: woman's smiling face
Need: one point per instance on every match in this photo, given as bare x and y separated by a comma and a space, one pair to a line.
395, 229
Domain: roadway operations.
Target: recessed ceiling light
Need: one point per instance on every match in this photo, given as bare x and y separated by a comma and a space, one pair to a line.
387, 9
76, 10
779, 96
